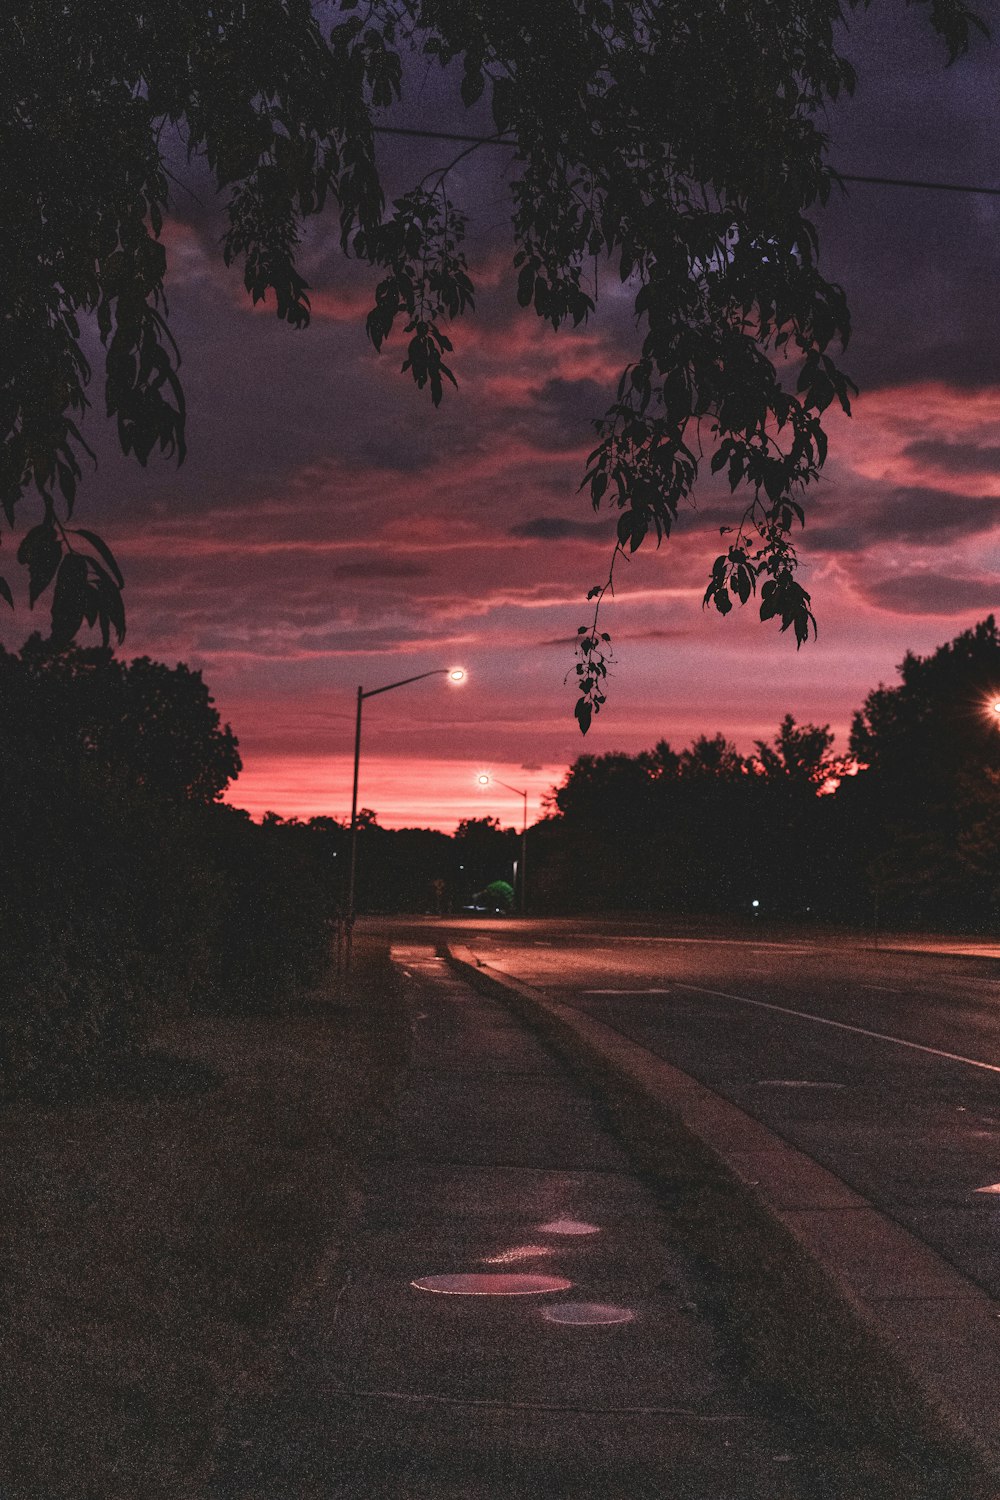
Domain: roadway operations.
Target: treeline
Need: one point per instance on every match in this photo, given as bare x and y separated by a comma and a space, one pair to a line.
903, 829
130, 892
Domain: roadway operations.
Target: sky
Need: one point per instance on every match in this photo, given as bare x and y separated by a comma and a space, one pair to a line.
330, 528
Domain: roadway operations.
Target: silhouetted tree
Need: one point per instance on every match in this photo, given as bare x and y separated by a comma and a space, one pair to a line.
137, 723
681, 142
928, 798
130, 891
486, 850
712, 759
799, 753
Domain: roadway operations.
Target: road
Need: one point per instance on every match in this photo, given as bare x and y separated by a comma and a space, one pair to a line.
882, 1066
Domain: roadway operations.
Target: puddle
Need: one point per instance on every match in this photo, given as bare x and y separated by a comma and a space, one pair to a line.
587, 1314
517, 1253
492, 1284
994, 1187
568, 1226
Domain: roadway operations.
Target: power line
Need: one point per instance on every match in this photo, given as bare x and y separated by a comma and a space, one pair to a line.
503, 140
445, 135
910, 182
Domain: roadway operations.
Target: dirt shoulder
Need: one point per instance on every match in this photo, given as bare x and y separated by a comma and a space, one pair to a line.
155, 1238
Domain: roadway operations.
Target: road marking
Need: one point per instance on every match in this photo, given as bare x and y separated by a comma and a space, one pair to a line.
626, 992
796, 1083
878, 1036
993, 1188
885, 988
718, 942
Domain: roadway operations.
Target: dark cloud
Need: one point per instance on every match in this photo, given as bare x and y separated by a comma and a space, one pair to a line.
573, 402
960, 458
918, 266
657, 633
907, 514
969, 363
557, 528
931, 594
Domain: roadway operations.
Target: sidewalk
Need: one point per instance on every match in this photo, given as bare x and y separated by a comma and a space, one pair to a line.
501, 1169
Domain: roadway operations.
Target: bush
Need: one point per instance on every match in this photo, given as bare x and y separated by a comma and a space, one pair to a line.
132, 892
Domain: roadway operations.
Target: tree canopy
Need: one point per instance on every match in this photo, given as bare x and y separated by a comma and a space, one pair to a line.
905, 829
140, 724
930, 794
678, 141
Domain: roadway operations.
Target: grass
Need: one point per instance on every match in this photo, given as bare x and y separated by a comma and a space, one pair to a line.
862, 1428
155, 1237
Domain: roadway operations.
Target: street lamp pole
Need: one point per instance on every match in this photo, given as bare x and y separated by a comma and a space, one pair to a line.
453, 674
485, 780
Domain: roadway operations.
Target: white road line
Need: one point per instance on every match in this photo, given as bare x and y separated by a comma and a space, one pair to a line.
878, 1036
796, 1083
625, 992
715, 942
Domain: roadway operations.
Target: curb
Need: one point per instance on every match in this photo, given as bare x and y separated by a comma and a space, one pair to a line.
936, 1328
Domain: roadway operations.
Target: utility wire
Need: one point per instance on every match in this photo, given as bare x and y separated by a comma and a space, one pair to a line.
503, 140
910, 182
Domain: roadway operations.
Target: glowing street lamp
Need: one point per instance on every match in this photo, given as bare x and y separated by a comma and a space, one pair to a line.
454, 675
485, 780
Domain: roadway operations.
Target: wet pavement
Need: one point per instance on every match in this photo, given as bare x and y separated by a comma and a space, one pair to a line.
516, 1319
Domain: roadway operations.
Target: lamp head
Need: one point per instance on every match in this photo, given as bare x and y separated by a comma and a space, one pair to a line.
456, 674
483, 780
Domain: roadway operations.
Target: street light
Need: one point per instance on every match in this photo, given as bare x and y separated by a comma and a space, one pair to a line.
454, 675
485, 780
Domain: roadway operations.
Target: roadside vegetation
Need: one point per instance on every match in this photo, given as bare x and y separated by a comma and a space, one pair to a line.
187, 1099
160, 1229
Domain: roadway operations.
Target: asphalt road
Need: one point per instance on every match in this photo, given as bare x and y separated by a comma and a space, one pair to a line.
883, 1066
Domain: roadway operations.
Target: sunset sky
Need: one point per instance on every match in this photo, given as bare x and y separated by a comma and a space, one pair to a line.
329, 528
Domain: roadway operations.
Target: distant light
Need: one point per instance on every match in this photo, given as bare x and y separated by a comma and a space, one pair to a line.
457, 674
996, 706
754, 903
483, 780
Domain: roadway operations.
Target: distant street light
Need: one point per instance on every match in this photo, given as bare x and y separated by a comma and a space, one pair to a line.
485, 780
454, 675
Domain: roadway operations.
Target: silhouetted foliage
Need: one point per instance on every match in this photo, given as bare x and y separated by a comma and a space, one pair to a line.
680, 143
135, 724
485, 852
131, 892
801, 753
911, 835
398, 869
929, 799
